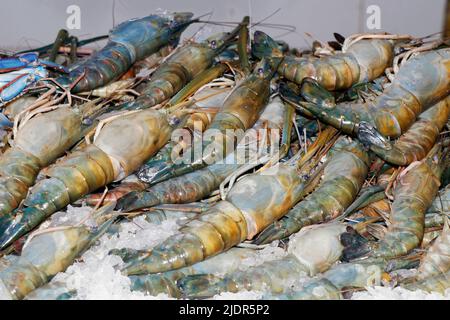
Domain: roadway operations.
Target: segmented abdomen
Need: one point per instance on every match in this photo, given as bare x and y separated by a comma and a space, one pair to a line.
341, 181
33, 149
44, 256
105, 66
167, 282
69, 179
21, 269
243, 106
364, 61
198, 184
239, 112
120, 148
227, 223
413, 194
164, 84
421, 82
173, 75
415, 143
275, 276
18, 170
190, 187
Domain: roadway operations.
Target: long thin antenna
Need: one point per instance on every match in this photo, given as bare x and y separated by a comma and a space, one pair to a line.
204, 15
287, 27
204, 25
266, 18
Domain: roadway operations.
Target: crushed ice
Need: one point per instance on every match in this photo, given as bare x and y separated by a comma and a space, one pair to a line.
96, 276
398, 293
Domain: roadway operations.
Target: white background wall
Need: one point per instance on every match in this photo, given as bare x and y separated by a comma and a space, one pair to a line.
31, 23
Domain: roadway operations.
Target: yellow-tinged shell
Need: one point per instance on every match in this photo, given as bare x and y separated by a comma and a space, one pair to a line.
132, 139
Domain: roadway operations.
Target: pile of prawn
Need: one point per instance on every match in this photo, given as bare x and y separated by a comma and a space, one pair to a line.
337, 155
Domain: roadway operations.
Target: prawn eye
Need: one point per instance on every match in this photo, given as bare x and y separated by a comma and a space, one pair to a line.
88, 121
174, 121
260, 70
213, 44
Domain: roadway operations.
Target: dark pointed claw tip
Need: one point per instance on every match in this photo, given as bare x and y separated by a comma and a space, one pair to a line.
355, 245
370, 136
10, 232
339, 38
265, 237
335, 45
288, 93
127, 202
314, 93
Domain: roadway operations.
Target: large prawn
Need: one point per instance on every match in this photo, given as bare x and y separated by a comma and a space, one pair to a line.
342, 179
187, 63
239, 112
362, 61
414, 192
129, 42
119, 148
48, 252
252, 204
311, 251
38, 143
421, 82
417, 141
196, 185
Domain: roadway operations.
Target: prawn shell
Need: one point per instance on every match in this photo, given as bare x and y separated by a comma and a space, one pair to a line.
47, 135
20, 165
373, 56
317, 247
124, 143
272, 194
414, 193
